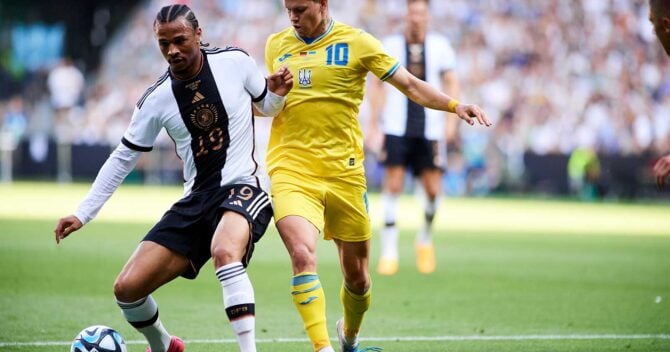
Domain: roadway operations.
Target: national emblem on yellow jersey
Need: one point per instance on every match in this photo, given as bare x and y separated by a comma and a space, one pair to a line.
318, 132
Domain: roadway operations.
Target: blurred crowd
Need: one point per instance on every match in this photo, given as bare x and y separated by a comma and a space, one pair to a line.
554, 75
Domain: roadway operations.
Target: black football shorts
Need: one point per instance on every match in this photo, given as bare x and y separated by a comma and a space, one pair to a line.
189, 225
413, 153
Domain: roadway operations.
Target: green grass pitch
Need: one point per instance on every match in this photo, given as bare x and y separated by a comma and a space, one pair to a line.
513, 275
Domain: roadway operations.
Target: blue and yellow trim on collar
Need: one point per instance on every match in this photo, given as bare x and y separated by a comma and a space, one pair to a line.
314, 40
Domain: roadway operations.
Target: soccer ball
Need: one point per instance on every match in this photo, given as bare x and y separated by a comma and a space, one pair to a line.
98, 338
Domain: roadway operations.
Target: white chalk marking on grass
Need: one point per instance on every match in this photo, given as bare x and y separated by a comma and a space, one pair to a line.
385, 339
521, 337
658, 299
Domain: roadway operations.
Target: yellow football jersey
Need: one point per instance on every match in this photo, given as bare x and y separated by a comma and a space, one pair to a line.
318, 132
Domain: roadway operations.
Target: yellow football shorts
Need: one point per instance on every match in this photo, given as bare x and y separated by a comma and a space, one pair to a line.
338, 205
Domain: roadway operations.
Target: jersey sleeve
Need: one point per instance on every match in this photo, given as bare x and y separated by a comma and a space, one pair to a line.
269, 53
374, 58
143, 129
112, 173
254, 82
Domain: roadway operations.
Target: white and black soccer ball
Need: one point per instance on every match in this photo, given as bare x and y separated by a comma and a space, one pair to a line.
98, 338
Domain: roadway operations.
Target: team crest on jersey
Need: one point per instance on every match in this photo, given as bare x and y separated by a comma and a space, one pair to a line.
205, 116
305, 78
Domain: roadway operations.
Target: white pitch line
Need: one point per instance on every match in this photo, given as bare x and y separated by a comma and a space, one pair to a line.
397, 338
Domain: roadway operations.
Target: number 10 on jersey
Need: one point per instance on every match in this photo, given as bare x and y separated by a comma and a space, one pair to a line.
337, 54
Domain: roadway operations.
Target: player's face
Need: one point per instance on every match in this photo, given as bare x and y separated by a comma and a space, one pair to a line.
307, 17
180, 46
417, 19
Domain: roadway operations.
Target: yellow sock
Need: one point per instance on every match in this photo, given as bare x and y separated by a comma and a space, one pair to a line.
310, 300
355, 307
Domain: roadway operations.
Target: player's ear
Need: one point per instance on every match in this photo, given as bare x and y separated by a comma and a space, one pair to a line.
198, 33
666, 24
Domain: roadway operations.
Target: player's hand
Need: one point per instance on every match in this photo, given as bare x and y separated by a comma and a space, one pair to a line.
661, 171
281, 81
469, 112
66, 226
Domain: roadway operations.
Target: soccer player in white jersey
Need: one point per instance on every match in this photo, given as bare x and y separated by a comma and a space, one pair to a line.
659, 16
413, 136
204, 102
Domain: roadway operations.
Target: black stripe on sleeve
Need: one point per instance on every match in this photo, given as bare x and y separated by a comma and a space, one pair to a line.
136, 147
223, 50
262, 96
152, 88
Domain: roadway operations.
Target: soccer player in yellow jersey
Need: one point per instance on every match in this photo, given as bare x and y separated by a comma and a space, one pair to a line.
315, 156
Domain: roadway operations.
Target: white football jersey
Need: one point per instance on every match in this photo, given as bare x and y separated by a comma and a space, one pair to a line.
203, 116
438, 57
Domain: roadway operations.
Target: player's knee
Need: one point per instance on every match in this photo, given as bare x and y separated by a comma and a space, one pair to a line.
223, 255
432, 190
125, 290
358, 283
394, 187
303, 259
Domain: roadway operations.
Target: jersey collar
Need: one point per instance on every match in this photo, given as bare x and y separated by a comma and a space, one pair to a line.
313, 40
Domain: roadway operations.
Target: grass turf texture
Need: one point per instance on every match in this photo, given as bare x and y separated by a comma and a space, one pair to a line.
513, 275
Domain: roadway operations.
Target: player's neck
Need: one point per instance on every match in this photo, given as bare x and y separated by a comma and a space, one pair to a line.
191, 73
323, 27
415, 38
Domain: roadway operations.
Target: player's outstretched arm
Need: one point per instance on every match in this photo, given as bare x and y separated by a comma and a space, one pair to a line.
279, 84
111, 175
66, 226
426, 95
451, 86
661, 171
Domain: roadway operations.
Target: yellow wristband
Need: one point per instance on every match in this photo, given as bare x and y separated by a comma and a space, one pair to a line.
452, 104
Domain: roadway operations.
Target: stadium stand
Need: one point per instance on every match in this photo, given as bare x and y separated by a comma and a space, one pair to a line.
554, 76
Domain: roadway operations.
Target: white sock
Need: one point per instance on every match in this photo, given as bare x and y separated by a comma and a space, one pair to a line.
143, 315
389, 242
389, 234
238, 298
424, 235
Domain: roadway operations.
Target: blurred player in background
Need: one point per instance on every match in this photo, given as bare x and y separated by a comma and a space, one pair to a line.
315, 157
659, 15
414, 138
66, 84
204, 101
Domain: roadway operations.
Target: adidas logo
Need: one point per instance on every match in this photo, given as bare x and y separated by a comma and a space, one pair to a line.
198, 97
237, 202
